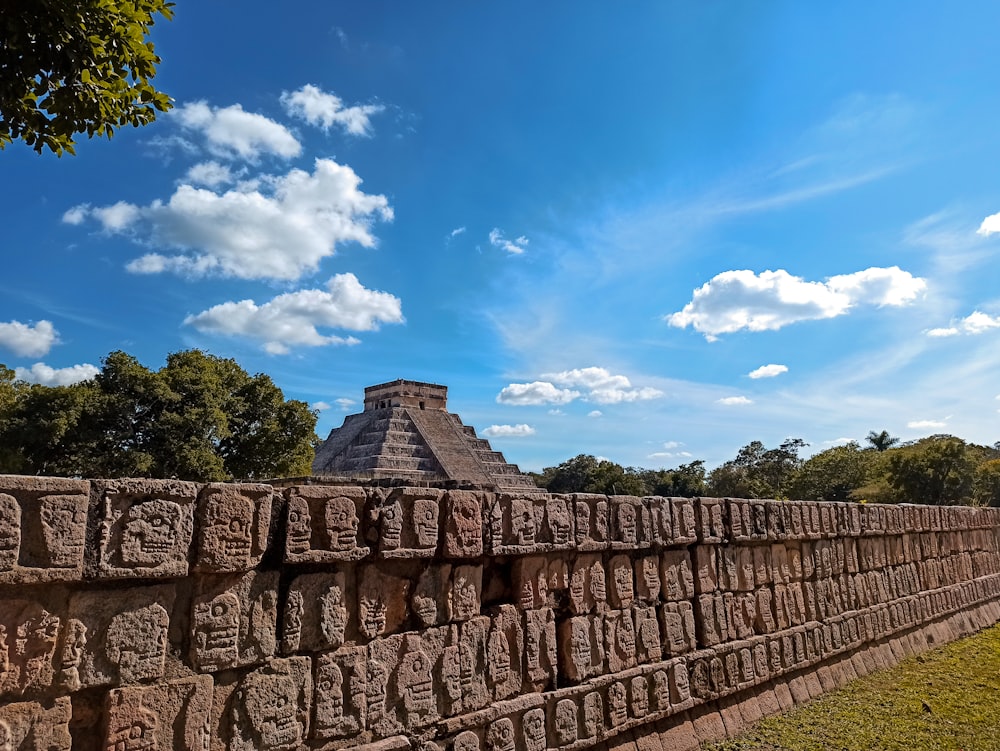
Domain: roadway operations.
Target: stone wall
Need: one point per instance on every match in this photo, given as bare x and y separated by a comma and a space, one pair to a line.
142, 614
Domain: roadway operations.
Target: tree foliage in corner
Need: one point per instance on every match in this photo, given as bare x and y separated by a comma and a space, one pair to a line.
76, 66
199, 417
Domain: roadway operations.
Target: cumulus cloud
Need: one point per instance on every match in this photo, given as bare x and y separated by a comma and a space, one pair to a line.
279, 229
26, 340
768, 371
320, 406
672, 444
345, 404
595, 413
922, 424
211, 174
508, 431
839, 442
536, 392
293, 319
230, 132
737, 300
975, 323
733, 401
602, 386
990, 225
46, 376
515, 247
325, 109
670, 455
457, 231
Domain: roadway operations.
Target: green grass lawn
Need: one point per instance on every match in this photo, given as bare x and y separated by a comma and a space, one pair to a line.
947, 699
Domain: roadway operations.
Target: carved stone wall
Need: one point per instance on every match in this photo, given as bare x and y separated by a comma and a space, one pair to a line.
142, 614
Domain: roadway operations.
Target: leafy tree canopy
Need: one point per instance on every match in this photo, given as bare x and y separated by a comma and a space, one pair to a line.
832, 475
758, 472
199, 417
881, 441
76, 66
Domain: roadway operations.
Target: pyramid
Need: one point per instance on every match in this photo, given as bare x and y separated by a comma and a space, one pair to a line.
406, 433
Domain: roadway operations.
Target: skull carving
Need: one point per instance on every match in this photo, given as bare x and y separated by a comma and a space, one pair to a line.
151, 533
533, 725
522, 522
74, 643
617, 704
294, 609
391, 526
464, 527
137, 643
228, 534
10, 531
333, 620
270, 702
628, 523
500, 736
342, 523
425, 522
558, 519
416, 684
639, 694
63, 518
216, 632
299, 538
329, 697
137, 733
566, 722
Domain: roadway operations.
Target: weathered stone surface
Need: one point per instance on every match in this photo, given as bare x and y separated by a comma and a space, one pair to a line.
408, 522
463, 535
323, 524
233, 525
29, 630
234, 621
317, 613
164, 716
146, 527
270, 707
36, 726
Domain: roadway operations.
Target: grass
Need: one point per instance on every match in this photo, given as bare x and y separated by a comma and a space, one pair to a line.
947, 699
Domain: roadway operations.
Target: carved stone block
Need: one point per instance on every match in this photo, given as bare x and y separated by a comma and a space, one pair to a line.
533, 730
566, 722
581, 647
382, 602
711, 520
531, 581
648, 645
340, 704
500, 735
146, 527
505, 653
540, 650
473, 660
465, 593
408, 522
630, 523
587, 585
678, 627
233, 523
617, 704
270, 707
591, 521
463, 534
122, 637
28, 634
676, 575
619, 640
684, 523
516, 524
706, 569
323, 523
593, 715
647, 578
430, 600
622, 582
34, 726
43, 524
163, 716
317, 613
234, 620
680, 687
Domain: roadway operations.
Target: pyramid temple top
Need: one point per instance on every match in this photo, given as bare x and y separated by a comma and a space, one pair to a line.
402, 393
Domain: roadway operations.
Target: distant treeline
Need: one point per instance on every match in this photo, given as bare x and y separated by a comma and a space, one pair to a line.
939, 469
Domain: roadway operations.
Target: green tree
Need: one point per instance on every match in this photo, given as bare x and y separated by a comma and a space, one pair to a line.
199, 417
757, 472
986, 487
937, 470
687, 480
881, 441
832, 475
587, 474
77, 66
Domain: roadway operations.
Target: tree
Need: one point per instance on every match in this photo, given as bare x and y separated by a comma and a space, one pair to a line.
833, 474
937, 470
882, 440
687, 480
199, 417
757, 472
76, 66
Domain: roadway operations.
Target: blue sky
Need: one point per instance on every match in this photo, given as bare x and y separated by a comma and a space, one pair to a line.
651, 232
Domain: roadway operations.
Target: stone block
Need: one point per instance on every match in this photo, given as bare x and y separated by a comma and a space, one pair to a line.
43, 525
630, 527
581, 647
270, 707
684, 522
588, 585
591, 521
29, 630
677, 625
676, 576
234, 620
431, 596
323, 524
317, 614
233, 522
409, 522
36, 726
146, 527
647, 578
382, 601
116, 638
540, 650
649, 646
171, 715
505, 653
711, 513
621, 589
706, 569
340, 700
619, 640
465, 592
516, 524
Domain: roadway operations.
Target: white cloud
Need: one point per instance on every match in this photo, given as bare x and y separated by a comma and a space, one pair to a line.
602, 386
457, 231
46, 376
672, 444
560, 413
210, 174
231, 132
279, 229
323, 109
536, 392
768, 371
595, 413
514, 247
321, 406
990, 225
345, 404
920, 424
293, 319
733, 401
737, 300
838, 442
975, 323
26, 340
77, 214
670, 455
508, 431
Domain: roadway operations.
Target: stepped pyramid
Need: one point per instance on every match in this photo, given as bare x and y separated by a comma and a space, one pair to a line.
406, 433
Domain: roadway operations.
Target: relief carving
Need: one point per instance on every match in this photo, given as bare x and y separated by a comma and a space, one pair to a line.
137, 643
466, 592
216, 633
415, 683
567, 722
464, 526
10, 531
64, 522
233, 526
533, 729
